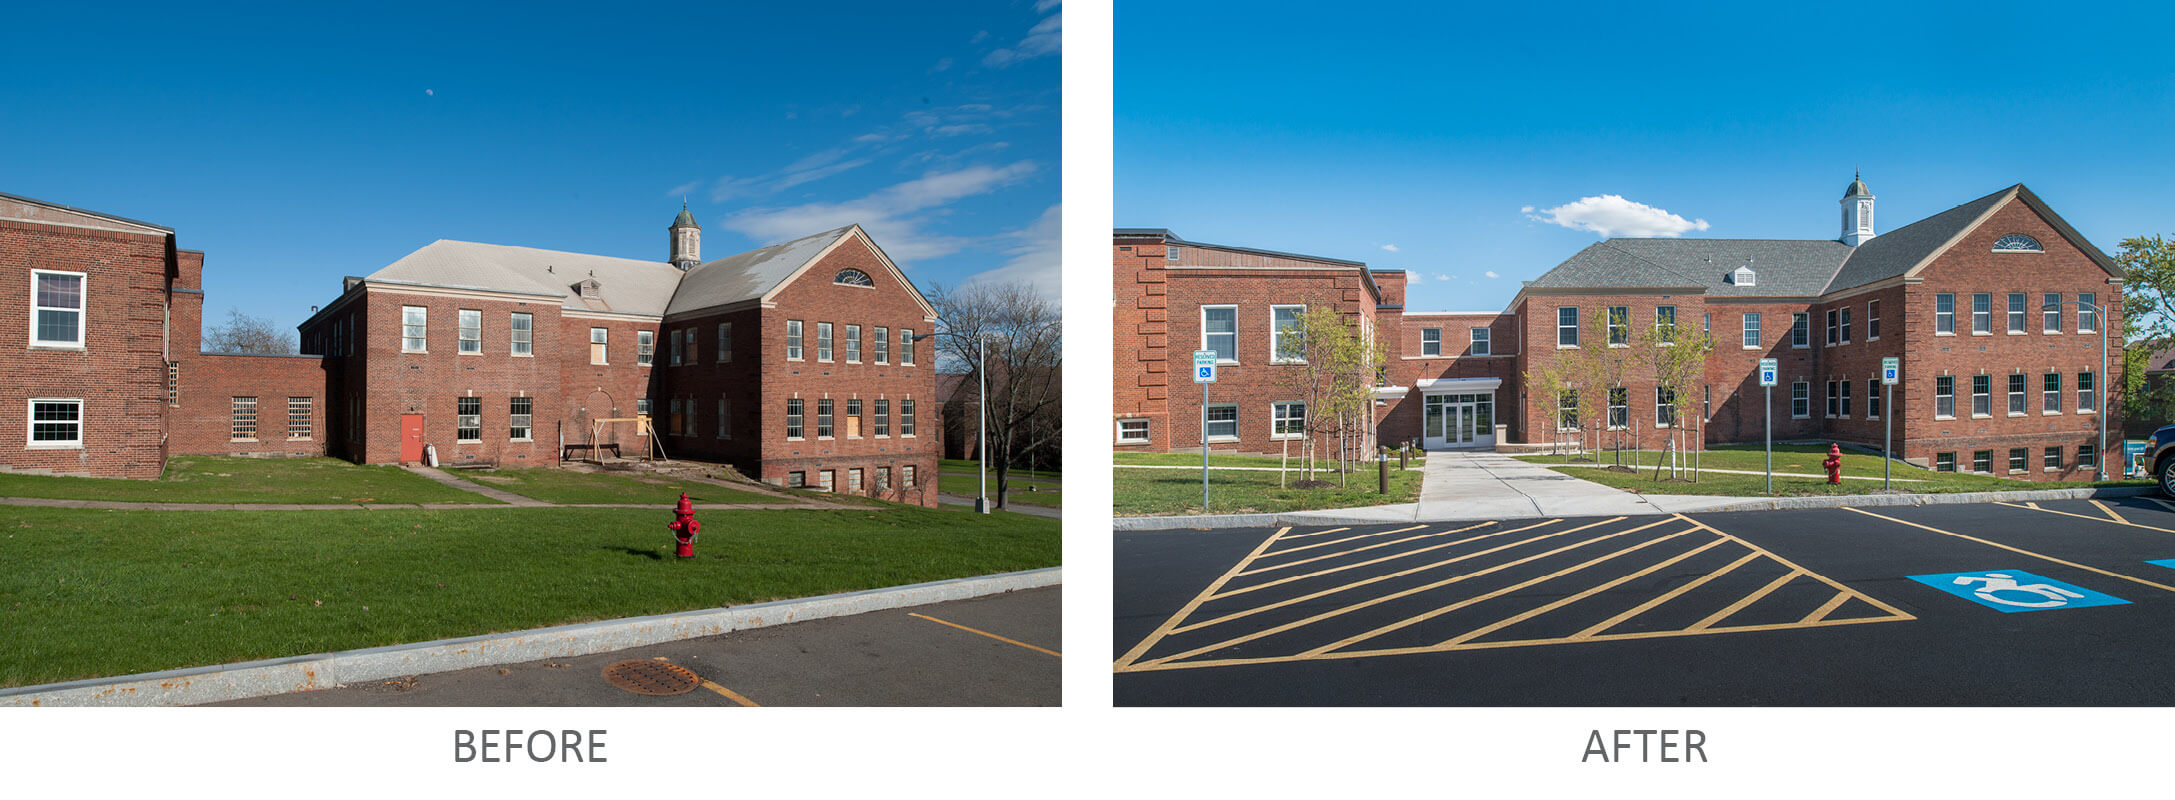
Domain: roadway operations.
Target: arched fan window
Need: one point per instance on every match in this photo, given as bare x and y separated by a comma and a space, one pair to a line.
853, 277
2017, 243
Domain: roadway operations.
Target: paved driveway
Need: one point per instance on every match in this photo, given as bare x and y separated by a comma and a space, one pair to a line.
1474, 485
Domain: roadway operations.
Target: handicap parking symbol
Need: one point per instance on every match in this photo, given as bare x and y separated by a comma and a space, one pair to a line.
2011, 590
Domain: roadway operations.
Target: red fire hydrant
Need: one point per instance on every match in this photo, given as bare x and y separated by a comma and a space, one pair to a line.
1834, 464
685, 526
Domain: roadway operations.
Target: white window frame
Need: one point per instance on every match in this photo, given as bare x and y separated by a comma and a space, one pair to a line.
1277, 333
82, 309
304, 424
520, 427
1145, 430
465, 422
853, 343
470, 338
882, 340
1982, 399
1210, 422
824, 342
2087, 396
676, 336
1567, 409
1483, 342
30, 429
1562, 329
420, 327
724, 418
826, 419
1614, 322
1801, 330
880, 418
1280, 415
1609, 409
1222, 357
795, 344
600, 346
796, 416
235, 407
1872, 320
1665, 332
906, 347
521, 340
1872, 398
1751, 326
2088, 308
1430, 347
1801, 391
1950, 396
2019, 392
1982, 321
2050, 400
2050, 312
2016, 313
1944, 322
906, 418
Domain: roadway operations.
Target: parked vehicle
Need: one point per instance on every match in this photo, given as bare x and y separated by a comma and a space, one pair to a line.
2160, 458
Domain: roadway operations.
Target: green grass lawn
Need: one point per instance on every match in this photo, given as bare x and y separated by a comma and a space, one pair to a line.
1194, 460
570, 487
1792, 458
1046, 493
228, 479
88, 593
969, 465
1137, 492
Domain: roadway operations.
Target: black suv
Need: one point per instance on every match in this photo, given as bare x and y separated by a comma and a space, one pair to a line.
2160, 458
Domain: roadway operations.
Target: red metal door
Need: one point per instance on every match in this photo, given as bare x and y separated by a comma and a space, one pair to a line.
411, 438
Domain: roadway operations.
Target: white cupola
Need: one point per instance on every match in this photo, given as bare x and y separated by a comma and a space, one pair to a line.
686, 240
1857, 213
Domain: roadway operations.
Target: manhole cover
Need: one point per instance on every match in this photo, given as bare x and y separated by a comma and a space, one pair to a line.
651, 677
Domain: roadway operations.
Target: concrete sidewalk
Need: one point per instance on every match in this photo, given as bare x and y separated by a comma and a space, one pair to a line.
1016, 508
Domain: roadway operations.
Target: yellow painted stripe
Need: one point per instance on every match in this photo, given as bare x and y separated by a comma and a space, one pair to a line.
2161, 587
1747, 600
1331, 530
730, 694
985, 633
1822, 613
1374, 561
1394, 575
1361, 549
2087, 516
2110, 512
1513, 620
1671, 595
1876, 603
1340, 541
1411, 621
1165, 629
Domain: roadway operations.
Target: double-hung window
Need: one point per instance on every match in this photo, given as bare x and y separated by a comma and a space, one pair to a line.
1982, 313
1982, 395
1944, 313
2051, 394
883, 344
2050, 313
2053, 459
1872, 399
2087, 312
724, 419
1800, 399
2016, 312
2087, 398
823, 418
725, 341
1287, 341
853, 344
645, 348
1845, 386
823, 341
792, 340
1567, 410
675, 347
1944, 397
1619, 408
1872, 320
1833, 396
597, 341
1665, 407
1801, 330
1220, 332
468, 424
1223, 421
1430, 341
2016, 395
518, 417
1846, 326
906, 346
793, 418
1665, 324
471, 329
414, 326
56, 423
906, 417
522, 328
1831, 328
1619, 326
692, 346
1288, 420
57, 305
883, 419
1752, 329
1483, 342
1567, 326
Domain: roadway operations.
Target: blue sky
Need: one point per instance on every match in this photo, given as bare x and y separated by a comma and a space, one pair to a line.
296, 144
1428, 137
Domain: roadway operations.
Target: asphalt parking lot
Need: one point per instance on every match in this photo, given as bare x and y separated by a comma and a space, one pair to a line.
999, 650
2053, 603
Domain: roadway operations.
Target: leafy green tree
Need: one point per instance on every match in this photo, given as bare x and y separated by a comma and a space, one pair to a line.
2148, 323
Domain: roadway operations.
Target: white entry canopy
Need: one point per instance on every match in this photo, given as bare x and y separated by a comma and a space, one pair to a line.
1457, 385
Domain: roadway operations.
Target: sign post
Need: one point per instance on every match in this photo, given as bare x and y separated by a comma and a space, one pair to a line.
1204, 373
1891, 368
1768, 369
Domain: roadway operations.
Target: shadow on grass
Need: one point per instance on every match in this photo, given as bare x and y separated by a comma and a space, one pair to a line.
652, 555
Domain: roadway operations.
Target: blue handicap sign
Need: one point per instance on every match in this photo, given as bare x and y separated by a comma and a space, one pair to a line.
1206, 372
2165, 562
2013, 590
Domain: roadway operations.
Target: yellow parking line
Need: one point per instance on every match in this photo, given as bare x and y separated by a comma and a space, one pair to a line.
1165, 629
2161, 587
2110, 512
1505, 623
1395, 575
1671, 595
1362, 549
1333, 530
2084, 516
1897, 613
985, 633
730, 694
1747, 600
1821, 613
1338, 541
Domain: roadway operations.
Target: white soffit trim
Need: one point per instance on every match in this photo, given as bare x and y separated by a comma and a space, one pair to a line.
1457, 385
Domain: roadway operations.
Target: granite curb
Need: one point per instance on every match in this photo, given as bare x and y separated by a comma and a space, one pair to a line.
1330, 517
196, 685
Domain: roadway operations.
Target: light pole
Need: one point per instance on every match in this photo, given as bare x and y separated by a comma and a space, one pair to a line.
2099, 381
981, 421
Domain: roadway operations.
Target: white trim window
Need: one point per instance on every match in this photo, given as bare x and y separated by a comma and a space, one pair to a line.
1133, 431
471, 330
2016, 395
1619, 408
1801, 399
2087, 312
694, 347
1846, 398
1982, 396
906, 418
519, 415
1567, 410
1430, 341
1846, 326
906, 347
298, 417
724, 342
2050, 313
244, 419
56, 423
882, 422
853, 344
2087, 395
1483, 342
1665, 407
1831, 328
793, 329
645, 348
1619, 320
823, 418
1982, 314
1287, 420
2016, 312
598, 343
2051, 394
414, 329
1567, 326
1287, 340
1872, 399
1801, 331
1223, 422
522, 330
882, 340
1872, 320
823, 341
1944, 314
1665, 324
1752, 330
793, 419
1220, 332
1944, 397
468, 419
57, 304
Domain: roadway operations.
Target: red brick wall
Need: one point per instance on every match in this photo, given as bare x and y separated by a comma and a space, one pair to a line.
589, 392
204, 422
1739, 408
119, 373
1401, 418
1140, 347
704, 379
1536, 412
1253, 383
428, 383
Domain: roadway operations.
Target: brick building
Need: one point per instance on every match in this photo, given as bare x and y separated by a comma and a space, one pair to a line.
1994, 380
802, 363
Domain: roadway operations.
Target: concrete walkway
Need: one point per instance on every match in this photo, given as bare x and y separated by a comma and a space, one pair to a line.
1479, 485
451, 482
1017, 508
1650, 468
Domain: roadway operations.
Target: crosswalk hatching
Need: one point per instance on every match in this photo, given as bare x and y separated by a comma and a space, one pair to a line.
1332, 593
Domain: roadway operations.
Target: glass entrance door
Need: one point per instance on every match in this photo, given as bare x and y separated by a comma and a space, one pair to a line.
1458, 420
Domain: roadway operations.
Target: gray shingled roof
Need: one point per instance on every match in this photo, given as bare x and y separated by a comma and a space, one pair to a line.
624, 285
749, 275
1896, 252
1784, 268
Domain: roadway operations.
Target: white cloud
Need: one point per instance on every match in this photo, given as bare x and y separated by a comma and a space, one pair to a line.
1036, 256
1390, 247
1611, 215
1042, 39
684, 189
1045, 5
942, 64
1444, 276
1491, 274
942, 131
979, 36
894, 215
